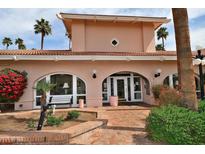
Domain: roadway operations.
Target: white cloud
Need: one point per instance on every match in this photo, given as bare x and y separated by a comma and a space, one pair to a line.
19, 23
195, 13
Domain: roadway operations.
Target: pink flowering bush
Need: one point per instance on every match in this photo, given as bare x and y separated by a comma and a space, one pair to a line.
12, 84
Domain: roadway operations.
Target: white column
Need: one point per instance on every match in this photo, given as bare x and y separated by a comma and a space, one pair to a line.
108, 87
48, 79
132, 86
171, 84
115, 86
74, 90
126, 88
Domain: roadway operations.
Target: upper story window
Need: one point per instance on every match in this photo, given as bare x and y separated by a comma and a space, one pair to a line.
115, 42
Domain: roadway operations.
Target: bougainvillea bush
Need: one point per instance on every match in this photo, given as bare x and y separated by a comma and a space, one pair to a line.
12, 84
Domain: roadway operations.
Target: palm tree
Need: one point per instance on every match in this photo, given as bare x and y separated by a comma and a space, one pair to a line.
162, 33
42, 26
184, 58
7, 42
20, 43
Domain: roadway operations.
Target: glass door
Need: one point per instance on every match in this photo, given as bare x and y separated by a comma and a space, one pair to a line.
121, 88
137, 89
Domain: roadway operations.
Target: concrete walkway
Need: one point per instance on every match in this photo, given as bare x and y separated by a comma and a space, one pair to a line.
126, 125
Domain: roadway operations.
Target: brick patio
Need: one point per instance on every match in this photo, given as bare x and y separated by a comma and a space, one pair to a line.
126, 125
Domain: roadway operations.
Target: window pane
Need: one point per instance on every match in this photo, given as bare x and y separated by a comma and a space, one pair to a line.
137, 86
129, 89
80, 86
137, 95
62, 80
38, 102
105, 97
112, 87
166, 81
104, 86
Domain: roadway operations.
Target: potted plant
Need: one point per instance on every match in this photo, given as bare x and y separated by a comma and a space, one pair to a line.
12, 85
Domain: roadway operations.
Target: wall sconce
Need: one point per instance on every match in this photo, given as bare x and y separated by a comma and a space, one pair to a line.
94, 74
157, 73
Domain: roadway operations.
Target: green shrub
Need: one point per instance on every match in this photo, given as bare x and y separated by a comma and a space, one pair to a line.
176, 125
54, 121
170, 96
31, 124
156, 89
201, 107
73, 115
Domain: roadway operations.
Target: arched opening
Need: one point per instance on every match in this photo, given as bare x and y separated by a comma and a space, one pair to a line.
128, 86
172, 81
66, 86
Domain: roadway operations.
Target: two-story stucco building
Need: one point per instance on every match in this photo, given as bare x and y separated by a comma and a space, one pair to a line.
110, 56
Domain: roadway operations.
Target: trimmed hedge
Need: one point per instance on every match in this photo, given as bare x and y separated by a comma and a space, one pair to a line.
201, 107
176, 125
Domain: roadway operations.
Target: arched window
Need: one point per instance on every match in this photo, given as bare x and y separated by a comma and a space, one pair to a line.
128, 86
172, 81
66, 85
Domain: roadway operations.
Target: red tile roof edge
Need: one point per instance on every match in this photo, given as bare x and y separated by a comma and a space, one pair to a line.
86, 53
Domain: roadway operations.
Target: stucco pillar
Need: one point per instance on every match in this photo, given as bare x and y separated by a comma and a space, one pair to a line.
94, 93
26, 101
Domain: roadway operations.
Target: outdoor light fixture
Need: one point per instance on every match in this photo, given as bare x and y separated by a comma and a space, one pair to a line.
157, 73
200, 61
94, 74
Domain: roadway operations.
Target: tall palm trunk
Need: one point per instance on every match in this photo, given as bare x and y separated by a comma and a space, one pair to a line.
187, 85
42, 40
163, 43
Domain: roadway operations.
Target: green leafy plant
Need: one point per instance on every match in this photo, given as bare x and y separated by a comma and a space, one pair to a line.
170, 96
44, 87
176, 125
31, 124
54, 121
73, 115
201, 107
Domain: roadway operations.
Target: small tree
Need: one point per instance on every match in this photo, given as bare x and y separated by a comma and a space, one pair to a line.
44, 87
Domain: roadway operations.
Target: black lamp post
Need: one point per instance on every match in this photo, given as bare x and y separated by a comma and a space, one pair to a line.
200, 62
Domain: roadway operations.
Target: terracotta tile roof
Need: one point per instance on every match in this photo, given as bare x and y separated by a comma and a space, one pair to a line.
70, 53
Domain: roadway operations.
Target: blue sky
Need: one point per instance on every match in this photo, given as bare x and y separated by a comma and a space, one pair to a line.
19, 23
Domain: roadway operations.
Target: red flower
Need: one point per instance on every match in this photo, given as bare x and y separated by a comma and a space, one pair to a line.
12, 84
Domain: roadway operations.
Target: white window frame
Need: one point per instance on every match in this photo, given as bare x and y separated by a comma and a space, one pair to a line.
74, 95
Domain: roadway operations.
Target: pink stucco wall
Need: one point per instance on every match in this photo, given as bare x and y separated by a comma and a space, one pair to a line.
97, 36
83, 69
